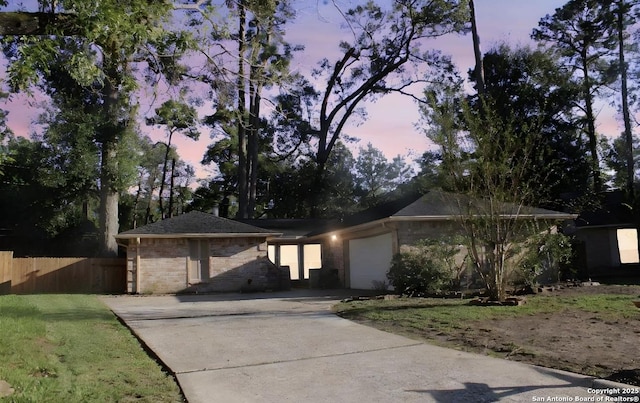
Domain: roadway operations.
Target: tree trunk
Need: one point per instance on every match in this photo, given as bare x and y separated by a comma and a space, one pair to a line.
625, 105
173, 167
479, 69
109, 195
164, 177
109, 198
242, 140
591, 129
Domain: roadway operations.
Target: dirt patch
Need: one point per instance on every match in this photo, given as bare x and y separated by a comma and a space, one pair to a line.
572, 340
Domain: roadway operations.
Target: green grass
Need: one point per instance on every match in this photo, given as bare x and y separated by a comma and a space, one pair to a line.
445, 314
71, 348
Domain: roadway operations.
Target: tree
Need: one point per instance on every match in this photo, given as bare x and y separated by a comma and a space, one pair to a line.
376, 176
583, 33
525, 85
624, 10
176, 117
487, 158
5, 132
102, 40
617, 160
261, 61
478, 71
385, 43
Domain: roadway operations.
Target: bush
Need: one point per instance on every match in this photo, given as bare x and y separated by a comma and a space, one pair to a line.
421, 270
545, 255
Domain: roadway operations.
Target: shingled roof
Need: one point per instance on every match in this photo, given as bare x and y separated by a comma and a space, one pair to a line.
196, 224
434, 205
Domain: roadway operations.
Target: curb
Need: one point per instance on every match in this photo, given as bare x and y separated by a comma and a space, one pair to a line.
613, 388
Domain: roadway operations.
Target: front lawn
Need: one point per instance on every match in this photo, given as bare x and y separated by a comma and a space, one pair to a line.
588, 330
71, 348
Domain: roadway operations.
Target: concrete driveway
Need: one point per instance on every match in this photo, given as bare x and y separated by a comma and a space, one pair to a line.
289, 347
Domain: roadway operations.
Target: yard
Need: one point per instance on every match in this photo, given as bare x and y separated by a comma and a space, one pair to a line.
71, 348
589, 330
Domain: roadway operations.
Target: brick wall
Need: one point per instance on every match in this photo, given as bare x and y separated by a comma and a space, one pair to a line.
410, 232
163, 265
239, 264
235, 264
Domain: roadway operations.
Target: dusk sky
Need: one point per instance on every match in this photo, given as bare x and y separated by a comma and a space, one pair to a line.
391, 121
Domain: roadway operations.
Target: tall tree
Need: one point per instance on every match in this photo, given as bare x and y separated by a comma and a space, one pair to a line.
479, 69
524, 85
625, 16
261, 60
5, 132
112, 36
176, 117
376, 176
583, 33
376, 62
488, 158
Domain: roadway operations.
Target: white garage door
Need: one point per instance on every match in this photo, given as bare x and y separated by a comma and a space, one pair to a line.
369, 260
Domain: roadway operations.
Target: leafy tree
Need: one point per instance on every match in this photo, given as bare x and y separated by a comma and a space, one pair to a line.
625, 12
176, 117
525, 85
583, 34
5, 132
487, 158
261, 61
100, 41
385, 43
376, 176
617, 160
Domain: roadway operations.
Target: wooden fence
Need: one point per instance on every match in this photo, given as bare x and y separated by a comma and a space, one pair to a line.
5, 272
63, 275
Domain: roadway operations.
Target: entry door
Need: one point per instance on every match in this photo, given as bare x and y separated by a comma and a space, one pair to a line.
198, 260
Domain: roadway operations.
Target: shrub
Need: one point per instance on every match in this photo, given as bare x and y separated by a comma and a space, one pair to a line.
543, 257
424, 268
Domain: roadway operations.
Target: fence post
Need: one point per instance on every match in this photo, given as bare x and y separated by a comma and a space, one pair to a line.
6, 265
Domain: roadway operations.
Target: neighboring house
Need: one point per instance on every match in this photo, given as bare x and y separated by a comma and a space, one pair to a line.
199, 252
360, 248
607, 240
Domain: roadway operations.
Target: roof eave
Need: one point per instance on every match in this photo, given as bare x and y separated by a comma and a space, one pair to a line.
201, 235
359, 227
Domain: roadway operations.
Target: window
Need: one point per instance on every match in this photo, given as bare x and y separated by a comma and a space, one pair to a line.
628, 245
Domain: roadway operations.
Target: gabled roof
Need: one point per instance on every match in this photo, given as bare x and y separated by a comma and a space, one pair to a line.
434, 206
196, 224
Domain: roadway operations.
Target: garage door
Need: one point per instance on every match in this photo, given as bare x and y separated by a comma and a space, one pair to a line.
369, 260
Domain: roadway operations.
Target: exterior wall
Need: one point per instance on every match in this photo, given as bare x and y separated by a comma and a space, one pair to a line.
162, 265
335, 252
333, 256
238, 264
235, 264
410, 232
601, 249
